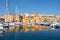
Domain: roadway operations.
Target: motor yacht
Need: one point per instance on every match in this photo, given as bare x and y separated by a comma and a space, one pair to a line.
55, 25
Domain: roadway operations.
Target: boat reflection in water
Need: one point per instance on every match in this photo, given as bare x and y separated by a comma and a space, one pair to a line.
1, 29
39, 35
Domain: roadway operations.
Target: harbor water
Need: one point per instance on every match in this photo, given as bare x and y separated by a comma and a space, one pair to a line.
37, 35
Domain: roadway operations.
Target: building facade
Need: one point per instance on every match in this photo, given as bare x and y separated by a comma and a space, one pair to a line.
10, 17
32, 18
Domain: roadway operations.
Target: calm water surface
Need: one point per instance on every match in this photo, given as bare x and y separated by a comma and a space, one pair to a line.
39, 35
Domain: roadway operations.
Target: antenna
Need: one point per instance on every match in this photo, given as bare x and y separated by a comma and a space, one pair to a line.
12, 14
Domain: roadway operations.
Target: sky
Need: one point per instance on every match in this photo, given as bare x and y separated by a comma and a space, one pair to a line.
29, 6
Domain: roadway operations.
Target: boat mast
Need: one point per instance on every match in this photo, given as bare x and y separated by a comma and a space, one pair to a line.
13, 15
6, 9
6, 6
16, 9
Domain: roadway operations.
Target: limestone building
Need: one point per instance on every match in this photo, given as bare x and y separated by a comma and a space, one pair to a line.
10, 17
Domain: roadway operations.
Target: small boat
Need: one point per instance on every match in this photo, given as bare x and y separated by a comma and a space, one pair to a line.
6, 25
45, 24
55, 25
28, 24
18, 23
12, 25
42, 23
38, 23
